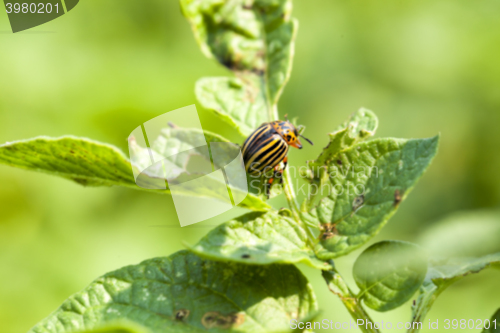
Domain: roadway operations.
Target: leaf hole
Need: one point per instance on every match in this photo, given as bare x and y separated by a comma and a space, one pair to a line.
358, 202
329, 230
181, 314
215, 319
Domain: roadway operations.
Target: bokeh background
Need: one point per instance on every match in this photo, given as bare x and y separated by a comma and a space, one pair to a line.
425, 67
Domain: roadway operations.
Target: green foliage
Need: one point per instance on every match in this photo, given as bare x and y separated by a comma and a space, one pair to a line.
175, 166
361, 125
84, 161
240, 277
444, 272
418, 83
184, 293
92, 163
368, 181
240, 105
260, 239
255, 41
389, 273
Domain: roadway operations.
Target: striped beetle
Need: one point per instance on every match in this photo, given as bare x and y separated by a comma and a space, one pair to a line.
268, 146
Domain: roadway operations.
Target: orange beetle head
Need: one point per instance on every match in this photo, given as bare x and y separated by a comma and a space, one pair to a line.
288, 132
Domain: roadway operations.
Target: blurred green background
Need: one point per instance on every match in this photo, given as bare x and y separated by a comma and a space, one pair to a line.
425, 67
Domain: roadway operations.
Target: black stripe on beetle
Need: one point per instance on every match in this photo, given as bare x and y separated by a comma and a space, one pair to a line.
268, 145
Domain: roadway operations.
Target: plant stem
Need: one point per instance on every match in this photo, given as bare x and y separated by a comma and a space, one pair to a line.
290, 194
337, 285
428, 294
294, 206
335, 282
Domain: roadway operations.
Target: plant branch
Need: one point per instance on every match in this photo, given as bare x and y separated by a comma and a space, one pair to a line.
337, 285
424, 304
290, 193
294, 206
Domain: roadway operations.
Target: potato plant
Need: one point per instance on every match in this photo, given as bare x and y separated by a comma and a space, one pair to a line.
241, 277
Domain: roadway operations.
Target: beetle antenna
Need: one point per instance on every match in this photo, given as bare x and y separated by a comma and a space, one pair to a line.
310, 142
286, 117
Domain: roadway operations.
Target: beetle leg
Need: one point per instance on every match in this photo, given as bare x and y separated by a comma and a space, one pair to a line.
268, 186
269, 183
278, 173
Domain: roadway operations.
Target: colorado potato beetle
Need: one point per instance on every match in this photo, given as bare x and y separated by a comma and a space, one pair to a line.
268, 146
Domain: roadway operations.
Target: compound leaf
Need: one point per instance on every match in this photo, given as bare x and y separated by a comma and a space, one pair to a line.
255, 40
388, 273
444, 272
184, 293
259, 239
365, 189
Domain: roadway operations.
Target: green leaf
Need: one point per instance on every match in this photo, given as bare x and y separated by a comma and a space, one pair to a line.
184, 293
494, 323
365, 190
361, 125
388, 273
85, 161
253, 39
92, 163
258, 185
241, 103
444, 272
259, 239
183, 159
464, 234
